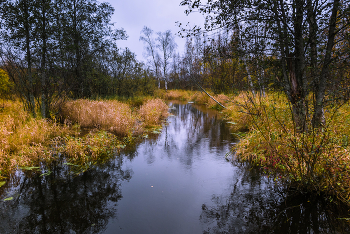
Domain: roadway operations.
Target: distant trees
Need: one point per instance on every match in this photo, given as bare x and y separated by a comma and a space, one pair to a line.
51, 49
151, 51
211, 62
166, 45
160, 51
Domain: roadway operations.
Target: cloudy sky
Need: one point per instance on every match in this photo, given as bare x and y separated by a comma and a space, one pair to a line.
159, 15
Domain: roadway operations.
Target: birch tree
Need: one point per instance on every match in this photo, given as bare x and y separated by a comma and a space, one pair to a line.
151, 50
166, 45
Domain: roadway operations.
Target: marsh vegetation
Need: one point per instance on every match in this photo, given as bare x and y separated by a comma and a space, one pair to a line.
277, 72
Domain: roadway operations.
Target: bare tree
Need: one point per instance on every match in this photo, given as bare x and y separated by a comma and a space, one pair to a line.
151, 50
167, 46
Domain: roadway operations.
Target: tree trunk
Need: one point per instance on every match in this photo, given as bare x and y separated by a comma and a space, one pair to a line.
250, 81
318, 117
43, 62
29, 60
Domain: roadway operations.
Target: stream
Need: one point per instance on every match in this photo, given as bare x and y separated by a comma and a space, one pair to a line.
182, 180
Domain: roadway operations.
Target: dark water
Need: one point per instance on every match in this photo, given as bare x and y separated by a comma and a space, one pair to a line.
176, 182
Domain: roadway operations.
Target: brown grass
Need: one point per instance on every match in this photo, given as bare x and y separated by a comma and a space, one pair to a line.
316, 161
112, 116
153, 111
195, 96
23, 139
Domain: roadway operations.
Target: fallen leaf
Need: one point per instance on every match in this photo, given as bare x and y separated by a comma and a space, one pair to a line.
8, 199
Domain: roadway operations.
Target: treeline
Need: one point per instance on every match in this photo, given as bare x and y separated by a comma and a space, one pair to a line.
216, 63
224, 64
213, 63
53, 49
302, 48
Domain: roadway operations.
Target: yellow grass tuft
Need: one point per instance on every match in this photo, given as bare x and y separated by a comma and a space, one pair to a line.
25, 141
153, 111
317, 160
22, 138
112, 116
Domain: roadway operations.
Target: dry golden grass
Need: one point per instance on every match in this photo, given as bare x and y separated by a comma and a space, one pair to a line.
195, 96
200, 98
112, 116
23, 139
153, 111
221, 98
179, 95
317, 160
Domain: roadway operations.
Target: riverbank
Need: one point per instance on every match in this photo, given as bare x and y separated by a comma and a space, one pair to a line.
316, 162
28, 143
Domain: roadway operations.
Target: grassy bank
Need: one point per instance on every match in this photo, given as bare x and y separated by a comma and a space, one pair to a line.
317, 161
195, 96
26, 142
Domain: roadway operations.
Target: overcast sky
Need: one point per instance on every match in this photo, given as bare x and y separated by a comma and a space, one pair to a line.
159, 15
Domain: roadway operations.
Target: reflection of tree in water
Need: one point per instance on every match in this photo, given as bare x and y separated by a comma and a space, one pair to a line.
64, 203
201, 125
255, 205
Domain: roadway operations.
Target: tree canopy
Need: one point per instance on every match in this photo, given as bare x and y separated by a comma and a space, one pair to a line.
304, 36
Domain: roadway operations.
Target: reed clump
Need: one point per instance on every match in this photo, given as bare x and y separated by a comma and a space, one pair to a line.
23, 139
92, 148
112, 116
153, 111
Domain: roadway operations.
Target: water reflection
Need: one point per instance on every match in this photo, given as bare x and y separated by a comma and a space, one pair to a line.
256, 205
192, 128
174, 182
62, 202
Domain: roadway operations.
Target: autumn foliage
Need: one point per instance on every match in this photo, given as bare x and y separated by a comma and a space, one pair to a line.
316, 161
26, 141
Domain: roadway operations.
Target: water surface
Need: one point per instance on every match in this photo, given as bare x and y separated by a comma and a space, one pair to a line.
179, 181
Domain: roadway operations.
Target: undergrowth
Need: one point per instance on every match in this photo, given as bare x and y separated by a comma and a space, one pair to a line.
26, 142
316, 161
